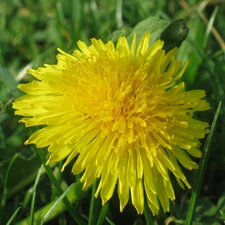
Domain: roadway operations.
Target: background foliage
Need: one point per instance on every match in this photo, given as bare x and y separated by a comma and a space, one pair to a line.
30, 33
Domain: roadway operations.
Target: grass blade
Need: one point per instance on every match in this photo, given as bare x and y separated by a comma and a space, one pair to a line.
13, 216
210, 25
59, 190
54, 208
110, 222
56, 204
201, 171
5, 189
34, 194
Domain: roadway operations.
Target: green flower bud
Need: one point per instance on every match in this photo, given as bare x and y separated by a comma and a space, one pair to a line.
174, 34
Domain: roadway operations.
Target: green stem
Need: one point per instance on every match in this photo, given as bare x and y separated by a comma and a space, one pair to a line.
91, 211
102, 214
148, 215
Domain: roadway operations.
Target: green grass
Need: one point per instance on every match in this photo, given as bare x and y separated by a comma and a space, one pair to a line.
30, 33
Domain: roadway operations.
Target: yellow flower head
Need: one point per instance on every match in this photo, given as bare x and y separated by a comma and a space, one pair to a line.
120, 110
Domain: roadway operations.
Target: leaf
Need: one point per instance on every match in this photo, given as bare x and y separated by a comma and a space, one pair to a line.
152, 24
7, 78
221, 203
205, 208
222, 214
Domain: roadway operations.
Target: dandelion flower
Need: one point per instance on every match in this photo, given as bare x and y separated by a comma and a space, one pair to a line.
122, 113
